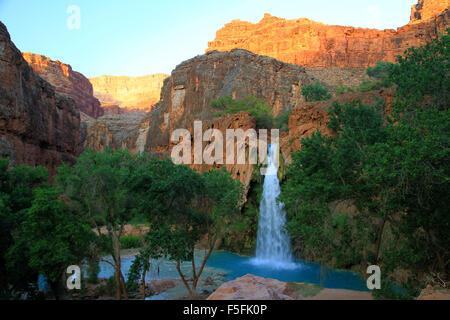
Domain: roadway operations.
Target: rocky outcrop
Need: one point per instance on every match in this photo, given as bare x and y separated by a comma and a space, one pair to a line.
187, 94
313, 44
66, 82
114, 131
314, 116
186, 97
251, 287
427, 9
129, 93
37, 125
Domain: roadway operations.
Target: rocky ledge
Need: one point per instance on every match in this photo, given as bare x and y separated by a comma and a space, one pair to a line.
251, 287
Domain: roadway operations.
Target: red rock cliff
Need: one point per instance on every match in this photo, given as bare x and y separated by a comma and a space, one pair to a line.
37, 125
427, 9
129, 93
67, 82
313, 44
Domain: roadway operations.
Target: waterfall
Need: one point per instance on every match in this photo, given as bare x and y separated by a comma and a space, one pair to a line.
273, 244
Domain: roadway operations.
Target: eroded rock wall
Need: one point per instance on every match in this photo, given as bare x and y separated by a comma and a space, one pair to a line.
37, 125
129, 93
66, 82
313, 44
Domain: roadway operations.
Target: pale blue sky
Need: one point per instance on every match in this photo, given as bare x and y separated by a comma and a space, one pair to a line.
139, 37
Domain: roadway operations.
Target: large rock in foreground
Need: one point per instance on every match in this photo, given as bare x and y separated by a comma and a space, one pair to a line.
66, 82
37, 125
313, 44
251, 287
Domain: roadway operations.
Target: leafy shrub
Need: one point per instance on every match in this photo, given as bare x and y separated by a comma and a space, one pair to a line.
381, 70
371, 85
315, 92
93, 270
130, 242
258, 109
341, 89
282, 122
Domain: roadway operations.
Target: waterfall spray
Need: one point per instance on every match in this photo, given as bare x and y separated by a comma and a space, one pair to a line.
273, 244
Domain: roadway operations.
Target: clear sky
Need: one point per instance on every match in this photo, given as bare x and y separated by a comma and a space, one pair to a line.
140, 37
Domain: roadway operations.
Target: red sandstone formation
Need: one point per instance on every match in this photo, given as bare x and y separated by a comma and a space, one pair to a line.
67, 82
427, 9
313, 44
37, 125
186, 97
129, 93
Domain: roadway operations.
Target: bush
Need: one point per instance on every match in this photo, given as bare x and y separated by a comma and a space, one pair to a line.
258, 109
130, 242
371, 85
341, 89
315, 92
93, 270
282, 122
381, 70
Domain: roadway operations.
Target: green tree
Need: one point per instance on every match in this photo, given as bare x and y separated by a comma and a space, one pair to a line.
316, 92
422, 76
330, 170
16, 195
183, 206
52, 235
98, 186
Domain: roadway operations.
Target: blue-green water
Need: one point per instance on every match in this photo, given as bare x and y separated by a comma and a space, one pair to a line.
301, 271
230, 266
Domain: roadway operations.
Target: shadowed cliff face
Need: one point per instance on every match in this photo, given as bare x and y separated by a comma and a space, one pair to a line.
129, 93
313, 44
37, 125
66, 82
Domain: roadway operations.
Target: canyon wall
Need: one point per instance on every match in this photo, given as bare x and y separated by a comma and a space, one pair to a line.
427, 9
188, 92
129, 93
38, 126
114, 131
66, 82
317, 45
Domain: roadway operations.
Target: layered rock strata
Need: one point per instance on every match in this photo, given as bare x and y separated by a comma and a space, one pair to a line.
66, 82
38, 126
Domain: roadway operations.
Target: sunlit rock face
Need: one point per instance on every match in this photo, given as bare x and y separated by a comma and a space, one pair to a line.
66, 82
38, 126
427, 9
313, 44
129, 93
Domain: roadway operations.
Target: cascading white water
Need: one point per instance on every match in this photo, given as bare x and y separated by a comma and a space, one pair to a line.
273, 245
